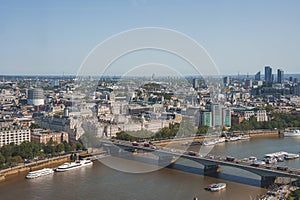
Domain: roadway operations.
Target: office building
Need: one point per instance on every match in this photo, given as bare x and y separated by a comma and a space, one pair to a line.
268, 74
195, 83
216, 111
280, 76
257, 76
226, 117
226, 80
205, 118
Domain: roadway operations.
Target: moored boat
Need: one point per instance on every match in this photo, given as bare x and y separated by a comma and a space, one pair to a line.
39, 173
208, 142
291, 156
73, 165
271, 161
293, 133
244, 137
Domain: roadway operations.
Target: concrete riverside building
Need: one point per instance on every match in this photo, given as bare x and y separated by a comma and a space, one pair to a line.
14, 134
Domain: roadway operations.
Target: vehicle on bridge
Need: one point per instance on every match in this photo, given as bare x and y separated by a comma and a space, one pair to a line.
146, 144
282, 168
258, 163
135, 143
193, 153
230, 158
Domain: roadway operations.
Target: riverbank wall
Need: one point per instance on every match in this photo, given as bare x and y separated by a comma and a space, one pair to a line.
33, 166
254, 133
251, 133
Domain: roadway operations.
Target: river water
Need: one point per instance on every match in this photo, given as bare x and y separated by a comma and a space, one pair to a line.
183, 183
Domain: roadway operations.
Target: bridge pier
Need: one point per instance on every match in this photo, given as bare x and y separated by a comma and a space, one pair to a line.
267, 181
211, 169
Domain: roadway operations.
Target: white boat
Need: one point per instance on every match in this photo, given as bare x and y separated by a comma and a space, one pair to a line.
282, 155
244, 137
271, 160
276, 154
73, 165
279, 159
39, 173
220, 140
234, 138
290, 156
293, 133
217, 187
208, 142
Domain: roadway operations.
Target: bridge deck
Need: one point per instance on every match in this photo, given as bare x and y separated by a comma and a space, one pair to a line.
268, 170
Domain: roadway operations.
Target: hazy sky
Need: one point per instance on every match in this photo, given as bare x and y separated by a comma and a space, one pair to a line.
54, 37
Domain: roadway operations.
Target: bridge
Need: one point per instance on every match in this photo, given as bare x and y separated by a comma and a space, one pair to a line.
268, 173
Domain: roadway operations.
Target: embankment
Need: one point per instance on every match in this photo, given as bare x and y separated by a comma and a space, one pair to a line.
33, 166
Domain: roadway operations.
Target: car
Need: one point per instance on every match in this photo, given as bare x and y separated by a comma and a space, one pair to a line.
282, 168
230, 159
135, 143
193, 153
146, 144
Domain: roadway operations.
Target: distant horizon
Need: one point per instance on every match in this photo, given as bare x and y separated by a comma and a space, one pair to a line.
116, 76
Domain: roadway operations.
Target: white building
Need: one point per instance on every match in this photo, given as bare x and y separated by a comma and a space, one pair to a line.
261, 116
248, 114
14, 134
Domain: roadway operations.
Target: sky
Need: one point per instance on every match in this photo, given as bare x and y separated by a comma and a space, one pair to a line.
55, 37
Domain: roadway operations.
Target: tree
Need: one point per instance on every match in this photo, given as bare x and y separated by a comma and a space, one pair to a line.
67, 146
60, 148
7, 151
34, 126
79, 146
269, 108
2, 160
202, 130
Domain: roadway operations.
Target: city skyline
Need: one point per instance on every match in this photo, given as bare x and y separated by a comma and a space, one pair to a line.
53, 38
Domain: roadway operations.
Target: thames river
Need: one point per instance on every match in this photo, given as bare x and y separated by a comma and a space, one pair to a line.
183, 183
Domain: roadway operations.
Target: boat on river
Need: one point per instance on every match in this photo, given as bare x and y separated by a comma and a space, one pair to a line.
216, 187
73, 165
294, 133
39, 173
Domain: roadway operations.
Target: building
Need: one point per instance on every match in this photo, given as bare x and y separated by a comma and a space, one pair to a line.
226, 117
195, 83
35, 97
44, 136
280, 76
248, 114
237, 118
14, 134
257, 76
261, 116
268, 74
216, 111
226, 80
205, 118
297, 89
248, 83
